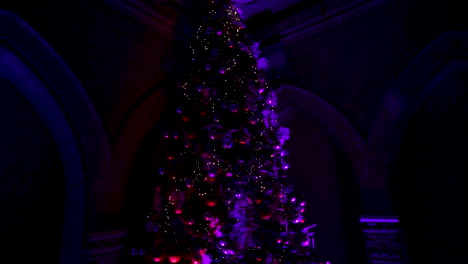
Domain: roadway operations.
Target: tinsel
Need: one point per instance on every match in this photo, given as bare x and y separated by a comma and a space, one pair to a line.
224, 195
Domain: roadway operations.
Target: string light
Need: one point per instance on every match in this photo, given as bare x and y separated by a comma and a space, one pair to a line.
223, 199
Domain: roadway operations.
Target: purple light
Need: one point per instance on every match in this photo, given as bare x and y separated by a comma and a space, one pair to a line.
378, 220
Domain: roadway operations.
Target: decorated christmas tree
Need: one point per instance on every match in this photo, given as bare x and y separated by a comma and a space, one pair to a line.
222, 194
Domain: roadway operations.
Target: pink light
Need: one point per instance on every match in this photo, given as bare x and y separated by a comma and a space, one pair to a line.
174, 259
157, 259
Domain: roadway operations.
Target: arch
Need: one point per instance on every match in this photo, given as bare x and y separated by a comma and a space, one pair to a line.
444, 55
327, 153
402, 113
346, 137
130, 138
29, 63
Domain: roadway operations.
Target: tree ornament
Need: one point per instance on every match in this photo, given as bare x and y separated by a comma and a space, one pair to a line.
222, 195
253, 120
222, 70
227, 142
234, 108
174, 259
157, 259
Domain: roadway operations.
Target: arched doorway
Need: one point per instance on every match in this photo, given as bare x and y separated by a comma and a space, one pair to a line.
52, 132
422, 127
328, 164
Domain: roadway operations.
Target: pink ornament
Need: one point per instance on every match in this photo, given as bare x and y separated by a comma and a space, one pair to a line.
211, 203
174, 259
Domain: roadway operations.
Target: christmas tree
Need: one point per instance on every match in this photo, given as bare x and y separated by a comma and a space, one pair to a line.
223, 194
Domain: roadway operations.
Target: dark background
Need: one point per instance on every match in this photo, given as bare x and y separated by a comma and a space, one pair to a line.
374, 92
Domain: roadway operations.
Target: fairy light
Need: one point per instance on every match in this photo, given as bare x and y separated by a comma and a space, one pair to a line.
222, 176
